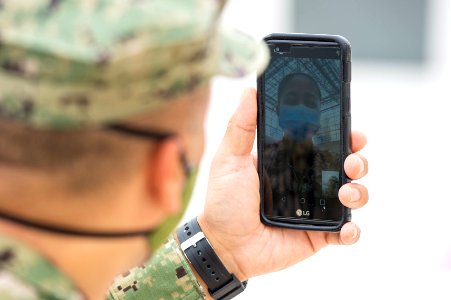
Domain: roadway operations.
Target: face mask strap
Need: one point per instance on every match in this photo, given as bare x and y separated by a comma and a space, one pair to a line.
141, 133
71, 231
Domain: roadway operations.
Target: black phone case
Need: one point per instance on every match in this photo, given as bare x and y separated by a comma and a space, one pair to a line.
345, 120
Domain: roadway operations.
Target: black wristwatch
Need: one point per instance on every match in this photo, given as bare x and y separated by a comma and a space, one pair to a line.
221, 284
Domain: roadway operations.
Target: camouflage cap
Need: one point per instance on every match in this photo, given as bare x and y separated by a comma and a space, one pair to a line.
72, 63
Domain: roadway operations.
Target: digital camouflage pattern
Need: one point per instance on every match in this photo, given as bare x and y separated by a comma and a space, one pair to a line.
26, 275
167, 276
78, 63
73, 63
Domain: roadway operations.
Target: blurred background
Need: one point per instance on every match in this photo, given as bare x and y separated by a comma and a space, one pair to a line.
401, 78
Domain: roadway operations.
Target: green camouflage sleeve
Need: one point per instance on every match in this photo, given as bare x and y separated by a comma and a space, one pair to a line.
166, 276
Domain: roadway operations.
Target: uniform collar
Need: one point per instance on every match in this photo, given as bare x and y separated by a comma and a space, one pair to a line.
35, 271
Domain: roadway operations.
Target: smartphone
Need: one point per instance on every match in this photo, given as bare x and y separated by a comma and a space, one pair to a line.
303, 131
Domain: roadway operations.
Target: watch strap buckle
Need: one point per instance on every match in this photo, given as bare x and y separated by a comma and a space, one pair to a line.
192, 241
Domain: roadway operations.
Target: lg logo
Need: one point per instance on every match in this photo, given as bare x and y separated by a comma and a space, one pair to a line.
301, 213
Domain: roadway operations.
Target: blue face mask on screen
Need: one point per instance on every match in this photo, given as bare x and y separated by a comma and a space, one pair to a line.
297, 121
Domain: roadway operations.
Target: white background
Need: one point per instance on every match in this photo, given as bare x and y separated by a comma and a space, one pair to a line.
405, 246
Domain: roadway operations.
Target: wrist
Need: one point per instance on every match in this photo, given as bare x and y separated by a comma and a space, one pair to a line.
220, 282
196, 274
224, 253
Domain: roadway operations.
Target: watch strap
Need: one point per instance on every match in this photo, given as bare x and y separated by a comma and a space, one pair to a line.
198, 250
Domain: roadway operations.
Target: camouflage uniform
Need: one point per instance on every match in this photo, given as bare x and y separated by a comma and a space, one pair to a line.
26, 275
85, 63
168, 270
72, 63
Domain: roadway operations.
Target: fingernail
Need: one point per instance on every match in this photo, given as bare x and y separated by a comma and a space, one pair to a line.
355, 232
361, 166
354, 194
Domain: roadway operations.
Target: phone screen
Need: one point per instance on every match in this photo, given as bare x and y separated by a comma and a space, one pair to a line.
302, 149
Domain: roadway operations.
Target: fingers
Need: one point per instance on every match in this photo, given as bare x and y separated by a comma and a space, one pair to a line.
240, 134
358, 141
353, 195
356, 166
349, 234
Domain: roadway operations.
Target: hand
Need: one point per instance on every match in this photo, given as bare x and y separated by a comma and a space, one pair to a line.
231, 219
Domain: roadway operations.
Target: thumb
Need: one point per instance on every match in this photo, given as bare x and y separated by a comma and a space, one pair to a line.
240, 133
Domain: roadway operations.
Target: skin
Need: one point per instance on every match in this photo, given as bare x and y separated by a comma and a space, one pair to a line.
300, 90
240, 239
154, 193
144, 201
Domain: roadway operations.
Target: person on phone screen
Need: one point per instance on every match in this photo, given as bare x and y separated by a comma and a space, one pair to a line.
102, 109
295, 163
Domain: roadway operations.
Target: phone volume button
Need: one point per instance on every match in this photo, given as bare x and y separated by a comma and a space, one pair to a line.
347, 71
347, 97
348, 103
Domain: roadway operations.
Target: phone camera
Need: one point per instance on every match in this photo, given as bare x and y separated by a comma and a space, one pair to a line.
282, 48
